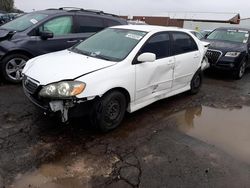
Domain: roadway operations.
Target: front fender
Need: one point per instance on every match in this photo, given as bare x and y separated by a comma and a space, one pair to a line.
100, 82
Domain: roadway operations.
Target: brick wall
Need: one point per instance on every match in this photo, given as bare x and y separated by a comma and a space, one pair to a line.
162, 21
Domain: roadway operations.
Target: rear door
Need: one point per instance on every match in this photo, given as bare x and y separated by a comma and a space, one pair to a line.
88, 25
187, 58
153, 77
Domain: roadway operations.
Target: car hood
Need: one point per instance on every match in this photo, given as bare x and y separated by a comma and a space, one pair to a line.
62, 65
226, 46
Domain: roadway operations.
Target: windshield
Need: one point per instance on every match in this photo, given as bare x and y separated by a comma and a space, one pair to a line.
198, 35
240, 36
24, 22
110, 44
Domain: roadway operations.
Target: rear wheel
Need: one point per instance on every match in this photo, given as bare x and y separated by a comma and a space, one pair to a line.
238, 74
12, 67
108, 112
196, 82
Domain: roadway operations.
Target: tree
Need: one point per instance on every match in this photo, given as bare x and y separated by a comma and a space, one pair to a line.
7, 5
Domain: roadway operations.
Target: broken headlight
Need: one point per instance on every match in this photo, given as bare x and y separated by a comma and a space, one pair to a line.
63, 89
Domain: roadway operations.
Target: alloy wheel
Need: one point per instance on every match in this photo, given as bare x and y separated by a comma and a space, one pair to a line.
14, 68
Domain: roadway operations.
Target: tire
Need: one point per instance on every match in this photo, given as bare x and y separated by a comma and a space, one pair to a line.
196, 82
108, 112
239, 73
12, 66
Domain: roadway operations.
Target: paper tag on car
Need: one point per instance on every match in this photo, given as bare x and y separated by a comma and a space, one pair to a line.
133, 36
34, 21
245, 41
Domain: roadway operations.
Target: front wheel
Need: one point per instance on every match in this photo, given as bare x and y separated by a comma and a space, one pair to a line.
12, 67
238, 74
108, 112
196, 82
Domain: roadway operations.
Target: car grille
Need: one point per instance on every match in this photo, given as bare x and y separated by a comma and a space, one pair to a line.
213, 56
30, 85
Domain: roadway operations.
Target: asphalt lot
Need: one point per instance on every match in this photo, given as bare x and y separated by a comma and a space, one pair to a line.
183, 141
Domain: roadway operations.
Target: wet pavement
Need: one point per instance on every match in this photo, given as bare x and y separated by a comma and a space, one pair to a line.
184, 141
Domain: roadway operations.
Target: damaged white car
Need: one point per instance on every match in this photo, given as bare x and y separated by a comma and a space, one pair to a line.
119, 69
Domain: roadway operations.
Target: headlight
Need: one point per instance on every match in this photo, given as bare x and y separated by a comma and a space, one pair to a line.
63, 89
232, 54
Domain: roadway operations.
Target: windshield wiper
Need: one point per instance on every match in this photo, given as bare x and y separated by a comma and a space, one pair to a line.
102, 57
79, 51
92, 54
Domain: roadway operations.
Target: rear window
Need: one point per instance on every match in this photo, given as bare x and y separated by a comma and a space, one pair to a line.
89, 24
183, 43
24, 22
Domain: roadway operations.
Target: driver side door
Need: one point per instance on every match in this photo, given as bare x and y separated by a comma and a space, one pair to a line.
64, 36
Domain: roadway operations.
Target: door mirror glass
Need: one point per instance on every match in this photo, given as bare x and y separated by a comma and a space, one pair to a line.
146, 57
46, 35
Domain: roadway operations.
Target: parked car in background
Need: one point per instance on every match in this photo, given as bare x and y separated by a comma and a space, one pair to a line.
123, 68
47, 31
136, 22
4, 18
206, 32
197, 34
229, 50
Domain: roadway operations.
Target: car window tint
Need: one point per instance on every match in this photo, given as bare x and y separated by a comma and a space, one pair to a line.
59, 26
183, 43
89, 24
111, 22
159, 44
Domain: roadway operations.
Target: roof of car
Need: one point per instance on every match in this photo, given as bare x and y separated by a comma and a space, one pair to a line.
148, 28
62, 10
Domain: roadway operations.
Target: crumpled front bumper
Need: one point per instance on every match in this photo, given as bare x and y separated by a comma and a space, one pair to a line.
66, 107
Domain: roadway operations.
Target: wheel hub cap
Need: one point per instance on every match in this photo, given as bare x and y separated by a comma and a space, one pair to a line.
14, 68
113, 110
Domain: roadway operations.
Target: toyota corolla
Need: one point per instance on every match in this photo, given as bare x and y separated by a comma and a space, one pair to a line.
119, 69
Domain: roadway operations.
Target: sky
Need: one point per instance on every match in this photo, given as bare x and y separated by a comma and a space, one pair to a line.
142, 7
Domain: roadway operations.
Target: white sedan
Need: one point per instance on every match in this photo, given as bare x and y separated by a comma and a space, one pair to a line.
119, 69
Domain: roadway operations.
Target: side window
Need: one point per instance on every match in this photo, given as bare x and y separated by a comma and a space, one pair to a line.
183, 43
110, 23
89, 24
59, 26
159, 44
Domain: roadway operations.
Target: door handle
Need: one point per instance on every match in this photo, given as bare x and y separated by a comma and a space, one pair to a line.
72, 41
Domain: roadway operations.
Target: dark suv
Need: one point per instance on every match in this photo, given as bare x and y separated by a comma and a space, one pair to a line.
47, 31
229, 50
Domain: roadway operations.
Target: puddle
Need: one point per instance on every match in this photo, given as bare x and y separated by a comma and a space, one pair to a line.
226, 129
69, 172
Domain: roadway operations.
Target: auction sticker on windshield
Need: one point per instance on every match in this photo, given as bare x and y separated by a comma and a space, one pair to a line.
133, 36
34, 21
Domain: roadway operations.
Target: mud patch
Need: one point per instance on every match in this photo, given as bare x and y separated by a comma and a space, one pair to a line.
75, 172
226, 129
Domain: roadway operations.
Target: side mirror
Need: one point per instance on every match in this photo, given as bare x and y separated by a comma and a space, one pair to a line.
146, 57
46, 35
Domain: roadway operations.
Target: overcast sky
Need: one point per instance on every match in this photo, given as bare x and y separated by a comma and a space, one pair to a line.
142, 7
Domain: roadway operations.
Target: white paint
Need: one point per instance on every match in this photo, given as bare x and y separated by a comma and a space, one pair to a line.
146, 82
